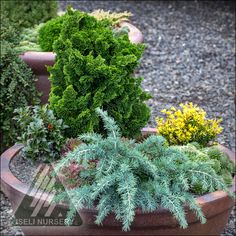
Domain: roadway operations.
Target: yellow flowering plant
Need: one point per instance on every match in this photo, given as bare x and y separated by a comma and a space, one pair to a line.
188, 124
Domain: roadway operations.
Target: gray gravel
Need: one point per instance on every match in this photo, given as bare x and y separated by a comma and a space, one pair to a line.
6, 218
23, 168
189, 56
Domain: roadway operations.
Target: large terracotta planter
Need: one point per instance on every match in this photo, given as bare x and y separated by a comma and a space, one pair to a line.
216, 206
38, 61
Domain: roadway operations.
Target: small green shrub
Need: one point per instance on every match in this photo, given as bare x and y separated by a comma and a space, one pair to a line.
27, 14
219, 161
130, 175
50, 32
95, 68
40, 132
227, 166
17, 83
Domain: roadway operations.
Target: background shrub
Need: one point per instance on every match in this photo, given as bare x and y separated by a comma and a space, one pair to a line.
29, 40
114, 17
17, 83
94, 68
9, 31
29, 13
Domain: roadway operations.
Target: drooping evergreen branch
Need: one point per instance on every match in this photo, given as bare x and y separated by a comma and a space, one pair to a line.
131, 175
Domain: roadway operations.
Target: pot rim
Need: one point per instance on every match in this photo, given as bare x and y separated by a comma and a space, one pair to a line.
8, 178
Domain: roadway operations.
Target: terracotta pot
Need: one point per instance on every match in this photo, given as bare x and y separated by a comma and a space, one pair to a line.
135, 35
216, 206
38, 61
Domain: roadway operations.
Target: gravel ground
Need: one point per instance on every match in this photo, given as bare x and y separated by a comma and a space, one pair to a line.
189, 56
24, 168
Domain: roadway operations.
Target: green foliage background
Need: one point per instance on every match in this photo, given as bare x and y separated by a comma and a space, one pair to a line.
94, 68
28, 13
17, 83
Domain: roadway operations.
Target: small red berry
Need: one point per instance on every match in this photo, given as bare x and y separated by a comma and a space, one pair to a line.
50, 126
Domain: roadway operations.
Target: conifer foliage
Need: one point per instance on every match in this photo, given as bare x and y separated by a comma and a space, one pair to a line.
27, 14
94, 68
131, 175
17, 82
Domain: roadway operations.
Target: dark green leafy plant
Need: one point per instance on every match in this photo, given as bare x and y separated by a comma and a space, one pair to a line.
17, 83
27, 14
130, 175
9, 31
95, 68
41, 133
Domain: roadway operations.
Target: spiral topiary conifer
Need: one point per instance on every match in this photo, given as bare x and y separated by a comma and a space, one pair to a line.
94, 68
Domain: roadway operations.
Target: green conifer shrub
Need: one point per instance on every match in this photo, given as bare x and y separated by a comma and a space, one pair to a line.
94, 68
27, 13
218, 160
17, 83
49, 32
227, 166
130, 175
